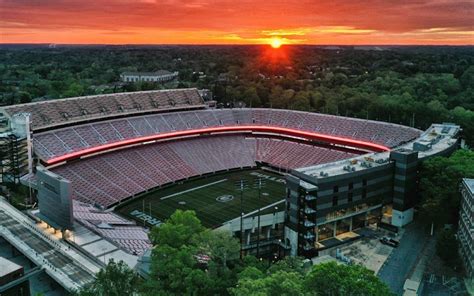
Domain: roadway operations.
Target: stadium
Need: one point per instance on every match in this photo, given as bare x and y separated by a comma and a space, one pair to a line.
283, 181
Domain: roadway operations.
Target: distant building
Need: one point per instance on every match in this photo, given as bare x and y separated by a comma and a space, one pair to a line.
206, 94
11, 275
466, 225
158, 76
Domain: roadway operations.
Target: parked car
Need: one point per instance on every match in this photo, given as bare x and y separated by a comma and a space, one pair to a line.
389, 242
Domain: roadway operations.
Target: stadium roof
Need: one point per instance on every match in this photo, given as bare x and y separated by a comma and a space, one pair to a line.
469, 184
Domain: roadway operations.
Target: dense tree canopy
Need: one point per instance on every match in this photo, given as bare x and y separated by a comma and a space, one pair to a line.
414, 86
439, 184
331, 279
253, 282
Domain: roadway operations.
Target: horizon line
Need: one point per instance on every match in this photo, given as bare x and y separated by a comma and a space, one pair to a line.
225, 44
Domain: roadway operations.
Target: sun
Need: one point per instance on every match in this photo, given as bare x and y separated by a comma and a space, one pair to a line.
275, 42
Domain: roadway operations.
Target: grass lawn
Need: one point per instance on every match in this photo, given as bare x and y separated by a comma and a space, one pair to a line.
215, 199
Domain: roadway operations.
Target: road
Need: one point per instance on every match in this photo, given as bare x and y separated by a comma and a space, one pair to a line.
403, 259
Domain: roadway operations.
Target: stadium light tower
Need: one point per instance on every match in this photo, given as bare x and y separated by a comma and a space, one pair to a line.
259, 183
144, 213
241, 186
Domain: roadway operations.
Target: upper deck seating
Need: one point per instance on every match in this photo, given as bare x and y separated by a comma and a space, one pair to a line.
60, 142
55, 113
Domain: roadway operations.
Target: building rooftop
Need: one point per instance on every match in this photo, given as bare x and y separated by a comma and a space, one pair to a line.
469, 184
155, 73
437, 138
341, 167
7, 267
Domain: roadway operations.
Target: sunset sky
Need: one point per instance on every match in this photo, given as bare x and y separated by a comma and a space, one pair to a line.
237, 21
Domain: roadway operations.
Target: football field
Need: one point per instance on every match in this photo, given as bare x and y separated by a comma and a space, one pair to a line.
215, 199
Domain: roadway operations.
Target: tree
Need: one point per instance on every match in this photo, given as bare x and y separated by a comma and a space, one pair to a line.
288, 264
74, 90
24, 97
301, 101
289, 278
182, 228
447, 247
440, 178
115, 279
276, 97
251, 97
317, 100
223, 249
253, 283
467, 78
465, 118
175, 269
333, 279
220, 246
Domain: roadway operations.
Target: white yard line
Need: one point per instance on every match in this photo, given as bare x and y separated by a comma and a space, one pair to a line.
192, 189
255, 211
263, 208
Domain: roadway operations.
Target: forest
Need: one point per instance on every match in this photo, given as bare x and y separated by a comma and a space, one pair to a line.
414, 86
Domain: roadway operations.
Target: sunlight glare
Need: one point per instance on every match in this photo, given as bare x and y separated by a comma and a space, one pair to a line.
275, 43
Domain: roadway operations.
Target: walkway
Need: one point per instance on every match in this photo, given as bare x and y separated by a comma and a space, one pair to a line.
402, 261
69, 268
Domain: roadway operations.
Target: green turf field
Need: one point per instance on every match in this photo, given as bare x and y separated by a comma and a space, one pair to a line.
215, 199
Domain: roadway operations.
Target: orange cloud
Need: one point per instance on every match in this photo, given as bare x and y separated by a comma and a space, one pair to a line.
237, 22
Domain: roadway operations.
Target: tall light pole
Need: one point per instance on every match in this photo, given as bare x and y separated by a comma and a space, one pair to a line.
144, 213
258, 184
241, 186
